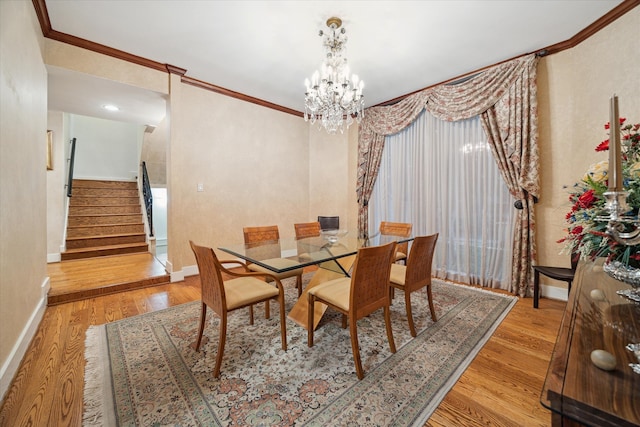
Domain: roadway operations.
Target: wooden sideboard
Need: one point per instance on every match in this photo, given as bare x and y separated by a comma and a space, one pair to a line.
576, 391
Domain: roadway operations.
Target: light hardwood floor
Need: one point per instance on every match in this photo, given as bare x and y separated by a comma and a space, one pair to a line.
501, 387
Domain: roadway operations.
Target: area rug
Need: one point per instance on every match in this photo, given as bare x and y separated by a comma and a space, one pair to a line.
143, 371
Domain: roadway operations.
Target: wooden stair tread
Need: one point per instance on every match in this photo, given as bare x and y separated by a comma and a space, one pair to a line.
103, 183
115, 224
102, 236
78, 279
102, 214
104, 219
103, 196
82, 207
107, 247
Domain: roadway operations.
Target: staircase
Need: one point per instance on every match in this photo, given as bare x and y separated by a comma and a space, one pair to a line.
105, 218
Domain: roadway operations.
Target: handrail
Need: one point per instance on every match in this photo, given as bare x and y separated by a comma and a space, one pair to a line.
148, 197
71, 162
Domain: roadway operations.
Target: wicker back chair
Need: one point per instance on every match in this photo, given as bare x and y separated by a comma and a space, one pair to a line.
400, 229
307, 229
266, 238
356, 297
223, 296
416, 274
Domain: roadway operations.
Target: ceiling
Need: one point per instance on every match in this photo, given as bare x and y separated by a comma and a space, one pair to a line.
266, 49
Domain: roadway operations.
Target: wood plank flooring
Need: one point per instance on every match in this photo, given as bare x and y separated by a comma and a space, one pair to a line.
80, 279
501, 387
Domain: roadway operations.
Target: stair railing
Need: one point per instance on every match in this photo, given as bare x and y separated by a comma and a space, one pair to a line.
72, 158
148, 197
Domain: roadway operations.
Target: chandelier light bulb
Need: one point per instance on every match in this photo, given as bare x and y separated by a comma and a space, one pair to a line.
334, 96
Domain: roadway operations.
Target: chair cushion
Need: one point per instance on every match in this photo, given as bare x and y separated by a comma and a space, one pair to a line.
400, 255
335, 292
278, 263
398, 273
246, 290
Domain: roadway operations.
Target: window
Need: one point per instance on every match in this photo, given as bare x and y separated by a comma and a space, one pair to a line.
442, 177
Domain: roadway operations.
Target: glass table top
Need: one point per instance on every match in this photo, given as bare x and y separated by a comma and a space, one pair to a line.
323, 250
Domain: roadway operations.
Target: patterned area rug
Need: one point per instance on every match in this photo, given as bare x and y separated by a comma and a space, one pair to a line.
144, 371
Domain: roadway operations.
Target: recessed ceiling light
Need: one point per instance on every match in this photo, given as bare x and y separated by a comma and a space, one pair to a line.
110, 107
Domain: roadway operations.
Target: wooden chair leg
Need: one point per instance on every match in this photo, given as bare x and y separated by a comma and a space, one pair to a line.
283, 322
431, 307
536, 288
221, 341
251, 314
203, 317
267, 309
311, 299
387, 321
407, 303
299, 284
353, 331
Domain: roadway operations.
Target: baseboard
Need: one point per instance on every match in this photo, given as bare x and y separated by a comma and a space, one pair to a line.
190, 270
554, 292
9, 369
177, 276
51, 258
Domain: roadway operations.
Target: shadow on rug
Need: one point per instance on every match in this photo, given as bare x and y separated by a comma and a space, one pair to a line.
144, 370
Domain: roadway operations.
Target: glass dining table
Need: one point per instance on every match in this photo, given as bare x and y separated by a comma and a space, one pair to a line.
333, 253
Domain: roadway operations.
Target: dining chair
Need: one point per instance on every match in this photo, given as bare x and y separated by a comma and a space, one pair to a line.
416, 274
329, 222
400, 229
244, 290
366, 291
307, 229
254, 237
564, 274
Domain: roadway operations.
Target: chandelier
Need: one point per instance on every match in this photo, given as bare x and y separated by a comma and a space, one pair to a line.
333, 96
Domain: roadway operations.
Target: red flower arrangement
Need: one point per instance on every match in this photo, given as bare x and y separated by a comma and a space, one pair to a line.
586, 234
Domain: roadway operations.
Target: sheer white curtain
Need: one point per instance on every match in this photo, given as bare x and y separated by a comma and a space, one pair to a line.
441, 177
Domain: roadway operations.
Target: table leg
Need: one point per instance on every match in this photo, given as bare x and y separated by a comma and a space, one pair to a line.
299, 311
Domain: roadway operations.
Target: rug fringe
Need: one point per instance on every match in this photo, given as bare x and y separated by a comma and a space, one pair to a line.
94, 390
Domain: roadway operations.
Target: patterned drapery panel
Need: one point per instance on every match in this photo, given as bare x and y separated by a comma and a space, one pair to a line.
378, 122
506, 98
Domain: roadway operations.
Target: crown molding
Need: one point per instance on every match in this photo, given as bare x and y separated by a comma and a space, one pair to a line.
602, 22
217, 89
596, 26
48, 32
45, 24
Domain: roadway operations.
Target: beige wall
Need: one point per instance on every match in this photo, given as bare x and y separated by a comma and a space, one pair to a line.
85, 61
329, 183
257, 166
253, 163
154, 154
23, 192
574, 88
57, 122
